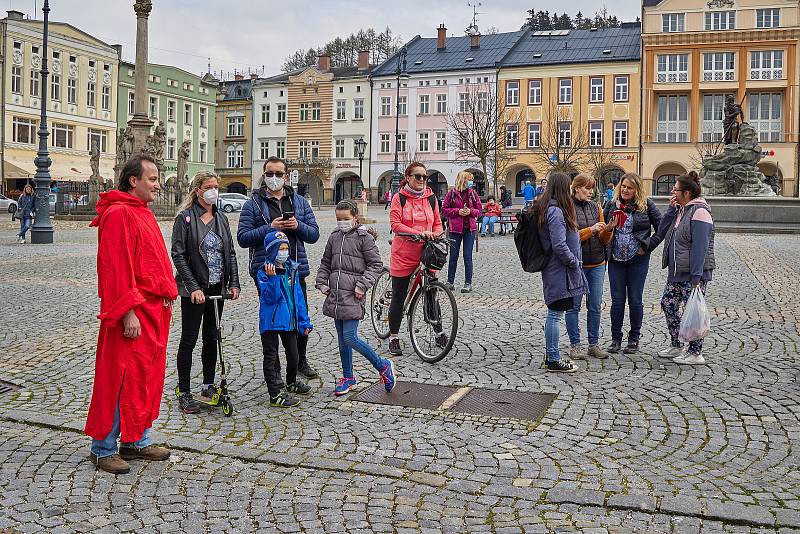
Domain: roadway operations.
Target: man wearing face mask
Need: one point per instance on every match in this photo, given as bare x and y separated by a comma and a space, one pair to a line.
276, 206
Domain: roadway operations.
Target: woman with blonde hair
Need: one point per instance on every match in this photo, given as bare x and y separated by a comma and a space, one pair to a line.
633, 218
462, 207
594, 236
205, 261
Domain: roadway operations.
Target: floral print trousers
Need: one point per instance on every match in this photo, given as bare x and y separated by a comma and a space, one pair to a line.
675, 296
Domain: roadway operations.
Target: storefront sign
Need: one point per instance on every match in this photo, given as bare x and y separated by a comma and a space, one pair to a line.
623, 157
767, 153
345, 166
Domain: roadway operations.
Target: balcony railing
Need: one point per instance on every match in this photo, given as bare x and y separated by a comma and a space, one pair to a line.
766, 74
718, 76
673, 77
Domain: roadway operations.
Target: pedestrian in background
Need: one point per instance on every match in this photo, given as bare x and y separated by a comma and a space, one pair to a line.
387, 199
462, 207
506, 201
609, 194
276, 206
636, 218
528, 193
136, 290
594, 236
688, 257
562, 278
282, 314
26, 205
491, 212
414, 211
350, 265
205, 265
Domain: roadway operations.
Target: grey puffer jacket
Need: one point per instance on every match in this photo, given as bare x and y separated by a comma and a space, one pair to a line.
351, 260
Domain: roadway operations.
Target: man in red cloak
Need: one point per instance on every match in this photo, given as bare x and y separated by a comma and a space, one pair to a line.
136, 289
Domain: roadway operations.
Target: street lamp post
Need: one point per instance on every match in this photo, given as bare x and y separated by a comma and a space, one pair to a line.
361, 145
42, 229
401, 73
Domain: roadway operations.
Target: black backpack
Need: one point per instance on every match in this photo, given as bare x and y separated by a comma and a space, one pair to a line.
529, 245
434, 202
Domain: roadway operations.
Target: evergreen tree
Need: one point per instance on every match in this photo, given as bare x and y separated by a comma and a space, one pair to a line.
344, 51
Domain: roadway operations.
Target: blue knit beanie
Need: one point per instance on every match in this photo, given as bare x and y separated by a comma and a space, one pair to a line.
272, 242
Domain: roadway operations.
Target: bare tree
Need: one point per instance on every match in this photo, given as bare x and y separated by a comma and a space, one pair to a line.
563, 142
477, 125
709, 145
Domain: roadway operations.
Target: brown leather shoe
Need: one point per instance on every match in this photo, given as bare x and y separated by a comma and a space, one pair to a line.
151, 452
113, 464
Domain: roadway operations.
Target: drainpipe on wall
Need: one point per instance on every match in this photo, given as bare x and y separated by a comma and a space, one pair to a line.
369, 155
3, 111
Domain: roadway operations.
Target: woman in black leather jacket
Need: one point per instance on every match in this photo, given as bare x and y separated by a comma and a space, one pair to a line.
636, 220
205, 261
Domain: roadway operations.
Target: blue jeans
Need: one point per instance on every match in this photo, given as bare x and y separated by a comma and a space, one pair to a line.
551, 334
468, 239
347, 332
25, 225
626, 279
595, 276
488, 221
108, 446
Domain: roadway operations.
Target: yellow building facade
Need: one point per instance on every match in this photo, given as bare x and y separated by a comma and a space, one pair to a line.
234, 133
580, 113
81, 100
697, 52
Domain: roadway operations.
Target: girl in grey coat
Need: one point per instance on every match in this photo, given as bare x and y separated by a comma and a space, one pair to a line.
350, 265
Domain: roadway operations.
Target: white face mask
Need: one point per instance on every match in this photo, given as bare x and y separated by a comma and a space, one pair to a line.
282, 256
346, 226
274, 183
211, 195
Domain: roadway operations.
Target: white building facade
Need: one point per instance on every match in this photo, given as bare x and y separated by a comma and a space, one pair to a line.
270, 123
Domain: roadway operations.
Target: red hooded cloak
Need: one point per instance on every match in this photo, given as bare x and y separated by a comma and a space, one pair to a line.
133, 272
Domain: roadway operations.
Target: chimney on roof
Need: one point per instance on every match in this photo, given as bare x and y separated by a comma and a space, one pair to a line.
238, 77
363, 59
324, 62
15, 15
441, 37
253, 76
475, 40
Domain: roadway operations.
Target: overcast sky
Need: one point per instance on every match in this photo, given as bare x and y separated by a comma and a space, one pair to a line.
251, 34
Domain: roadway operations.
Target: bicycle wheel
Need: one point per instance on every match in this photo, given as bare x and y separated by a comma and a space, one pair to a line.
379, 299
433, 322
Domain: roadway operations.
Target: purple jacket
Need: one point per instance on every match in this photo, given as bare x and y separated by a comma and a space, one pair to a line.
455, 200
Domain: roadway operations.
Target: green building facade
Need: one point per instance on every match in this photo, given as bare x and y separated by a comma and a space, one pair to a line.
185, 103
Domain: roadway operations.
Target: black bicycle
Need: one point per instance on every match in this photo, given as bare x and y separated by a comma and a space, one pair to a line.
430, 305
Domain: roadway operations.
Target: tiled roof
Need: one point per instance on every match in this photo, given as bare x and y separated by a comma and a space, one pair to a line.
576, 46
236, 89
651, 3
423, 55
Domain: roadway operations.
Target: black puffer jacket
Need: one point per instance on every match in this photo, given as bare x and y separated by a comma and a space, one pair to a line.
351, 260
587, 214
191, 264
644, 224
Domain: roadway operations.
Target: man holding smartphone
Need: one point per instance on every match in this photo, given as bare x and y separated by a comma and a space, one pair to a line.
275, 205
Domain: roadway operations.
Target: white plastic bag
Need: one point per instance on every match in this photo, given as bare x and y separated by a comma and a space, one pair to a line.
696, 322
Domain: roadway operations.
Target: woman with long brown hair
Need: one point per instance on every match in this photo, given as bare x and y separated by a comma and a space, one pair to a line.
562, 278
205, 261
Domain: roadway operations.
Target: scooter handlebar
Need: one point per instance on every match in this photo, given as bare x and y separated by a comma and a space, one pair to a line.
225, 296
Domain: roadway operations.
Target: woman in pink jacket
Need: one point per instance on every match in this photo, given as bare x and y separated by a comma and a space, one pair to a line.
414, 211
462, 207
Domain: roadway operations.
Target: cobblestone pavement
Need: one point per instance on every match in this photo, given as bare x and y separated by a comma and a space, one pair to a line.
631, 443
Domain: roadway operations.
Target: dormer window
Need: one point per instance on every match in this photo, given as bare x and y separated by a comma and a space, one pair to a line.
673, 22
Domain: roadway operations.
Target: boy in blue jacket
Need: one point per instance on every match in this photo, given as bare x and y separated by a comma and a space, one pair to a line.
282, 314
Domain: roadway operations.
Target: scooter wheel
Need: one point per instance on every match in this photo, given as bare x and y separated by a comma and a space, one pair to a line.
227, 408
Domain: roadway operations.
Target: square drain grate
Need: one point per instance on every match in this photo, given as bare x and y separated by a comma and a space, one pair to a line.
7, 387
504, 403
407, 394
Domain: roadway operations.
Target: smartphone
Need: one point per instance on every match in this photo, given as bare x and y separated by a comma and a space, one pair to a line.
621, 217
288, 215
280, 270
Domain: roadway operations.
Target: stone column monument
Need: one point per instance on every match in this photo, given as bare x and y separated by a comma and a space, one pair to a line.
140, 124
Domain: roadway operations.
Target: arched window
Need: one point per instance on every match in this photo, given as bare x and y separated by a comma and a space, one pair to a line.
664, 184
235, 156
523, 176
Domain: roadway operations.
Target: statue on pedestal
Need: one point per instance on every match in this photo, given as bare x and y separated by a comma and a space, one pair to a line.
95, 180
154, 145
124, 149
735, 171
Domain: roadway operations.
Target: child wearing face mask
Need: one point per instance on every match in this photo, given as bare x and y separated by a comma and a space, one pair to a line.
350, 265
282, 314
